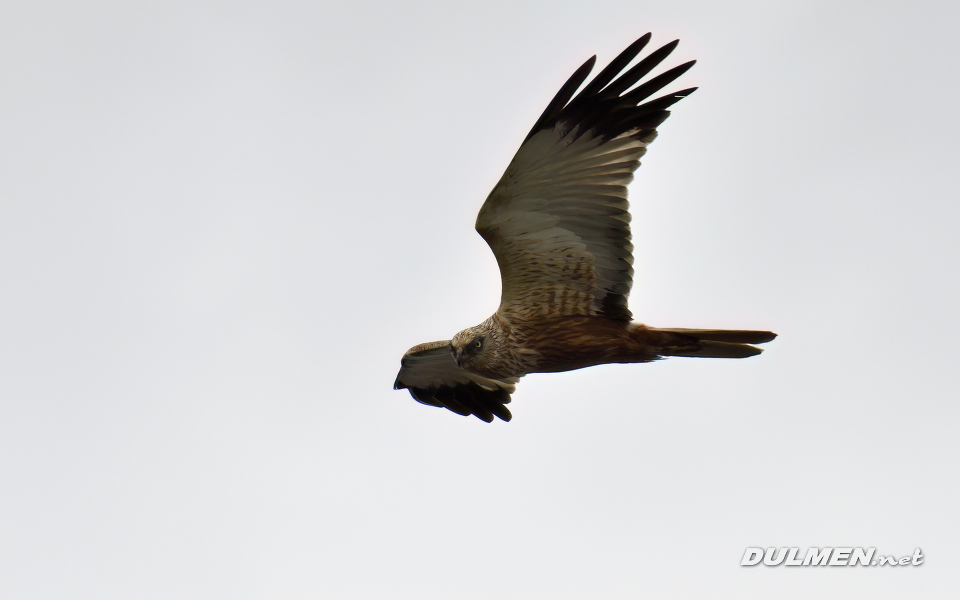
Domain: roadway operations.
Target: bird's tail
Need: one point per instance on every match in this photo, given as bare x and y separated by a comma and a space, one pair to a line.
711, 343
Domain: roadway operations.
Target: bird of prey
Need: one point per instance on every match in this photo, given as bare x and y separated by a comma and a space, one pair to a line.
558, 224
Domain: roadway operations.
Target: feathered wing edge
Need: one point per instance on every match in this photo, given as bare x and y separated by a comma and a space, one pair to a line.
605, 105
432, 376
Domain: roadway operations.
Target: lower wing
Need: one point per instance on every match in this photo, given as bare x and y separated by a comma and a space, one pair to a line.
433, 377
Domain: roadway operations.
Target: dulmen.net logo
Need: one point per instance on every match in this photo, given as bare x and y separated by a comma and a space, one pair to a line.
831, 557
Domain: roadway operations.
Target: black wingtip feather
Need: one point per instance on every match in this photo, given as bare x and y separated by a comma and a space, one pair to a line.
659, 82
563, 96
640, 70
666, 101
613, 69
605, 106
465, 401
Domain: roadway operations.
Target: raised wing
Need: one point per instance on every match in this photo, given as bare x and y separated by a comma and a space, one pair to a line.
434, 378
557, 221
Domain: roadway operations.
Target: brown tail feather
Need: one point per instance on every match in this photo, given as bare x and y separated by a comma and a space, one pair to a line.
713, 343
732, 336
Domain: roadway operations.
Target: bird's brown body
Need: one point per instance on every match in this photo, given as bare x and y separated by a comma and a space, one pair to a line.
558, 224
578, 342
567, 343
560, 344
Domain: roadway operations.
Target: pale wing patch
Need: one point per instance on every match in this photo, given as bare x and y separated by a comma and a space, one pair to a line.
554, 257
558, 223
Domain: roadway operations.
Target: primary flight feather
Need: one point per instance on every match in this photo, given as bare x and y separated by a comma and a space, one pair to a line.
559, 226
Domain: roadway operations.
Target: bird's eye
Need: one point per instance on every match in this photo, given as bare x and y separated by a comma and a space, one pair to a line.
477, 344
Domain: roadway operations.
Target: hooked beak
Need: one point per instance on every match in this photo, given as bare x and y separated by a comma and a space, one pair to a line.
456, 355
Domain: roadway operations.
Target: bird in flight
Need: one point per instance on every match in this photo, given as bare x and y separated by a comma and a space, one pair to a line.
559, 225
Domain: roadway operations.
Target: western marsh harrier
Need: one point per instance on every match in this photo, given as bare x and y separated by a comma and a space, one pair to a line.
558, 224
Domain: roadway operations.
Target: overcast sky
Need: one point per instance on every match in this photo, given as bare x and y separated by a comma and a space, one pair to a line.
222, 224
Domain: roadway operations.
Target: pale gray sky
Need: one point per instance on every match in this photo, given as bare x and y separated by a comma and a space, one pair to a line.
221, 224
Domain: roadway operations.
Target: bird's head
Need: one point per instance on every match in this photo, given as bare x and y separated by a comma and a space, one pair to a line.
483, 350
467, 346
